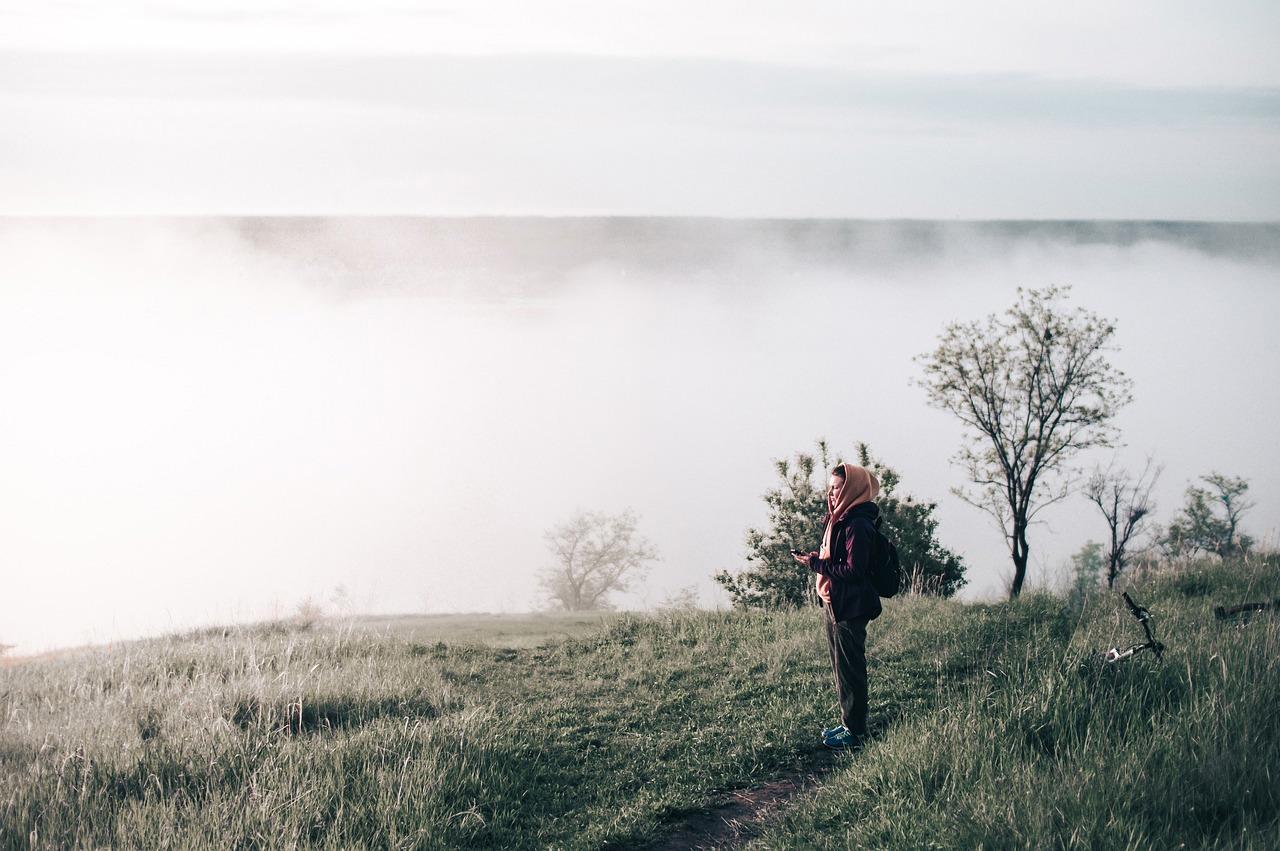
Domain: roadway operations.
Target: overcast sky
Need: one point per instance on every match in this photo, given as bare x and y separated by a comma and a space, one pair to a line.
936, 110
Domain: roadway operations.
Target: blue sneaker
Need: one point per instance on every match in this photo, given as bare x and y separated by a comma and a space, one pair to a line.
831, 731
844, 741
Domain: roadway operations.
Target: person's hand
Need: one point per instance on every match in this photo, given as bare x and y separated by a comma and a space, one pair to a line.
803, 558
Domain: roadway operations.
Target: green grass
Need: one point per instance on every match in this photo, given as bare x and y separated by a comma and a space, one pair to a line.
493, 630
992, 730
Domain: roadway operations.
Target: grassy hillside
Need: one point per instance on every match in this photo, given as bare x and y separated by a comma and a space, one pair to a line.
992, 729
1048, 748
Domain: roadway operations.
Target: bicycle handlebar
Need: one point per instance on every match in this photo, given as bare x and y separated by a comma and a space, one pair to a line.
1144, 618
1138, 611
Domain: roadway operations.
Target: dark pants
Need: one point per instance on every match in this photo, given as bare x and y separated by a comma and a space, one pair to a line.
848, 642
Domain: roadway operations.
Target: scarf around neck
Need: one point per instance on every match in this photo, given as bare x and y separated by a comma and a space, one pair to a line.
860, 485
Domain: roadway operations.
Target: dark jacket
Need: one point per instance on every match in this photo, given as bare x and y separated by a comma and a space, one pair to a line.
852, 595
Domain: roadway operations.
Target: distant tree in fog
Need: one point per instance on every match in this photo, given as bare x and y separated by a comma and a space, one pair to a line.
308, 613
1086, 574
595, 554
1127, 507
1209, 521
341, 600
1032, 387
684, 600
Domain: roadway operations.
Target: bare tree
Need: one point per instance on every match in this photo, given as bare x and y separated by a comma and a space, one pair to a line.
1127, 506
596, 554
1033, 388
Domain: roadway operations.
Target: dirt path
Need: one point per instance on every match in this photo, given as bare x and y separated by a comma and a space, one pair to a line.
734, 820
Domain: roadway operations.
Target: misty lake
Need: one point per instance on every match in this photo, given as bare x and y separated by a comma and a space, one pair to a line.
211, 419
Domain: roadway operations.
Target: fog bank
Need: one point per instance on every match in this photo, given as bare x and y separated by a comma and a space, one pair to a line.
211, 419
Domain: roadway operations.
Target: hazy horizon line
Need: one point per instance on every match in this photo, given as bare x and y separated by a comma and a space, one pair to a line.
668, 216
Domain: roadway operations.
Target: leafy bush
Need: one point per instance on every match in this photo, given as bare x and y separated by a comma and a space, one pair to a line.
797, 509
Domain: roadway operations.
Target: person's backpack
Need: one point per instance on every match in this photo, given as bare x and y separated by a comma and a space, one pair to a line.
886, 572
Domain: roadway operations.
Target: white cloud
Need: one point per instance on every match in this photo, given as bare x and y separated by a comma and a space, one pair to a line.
1151, 42
243, 133
746, 109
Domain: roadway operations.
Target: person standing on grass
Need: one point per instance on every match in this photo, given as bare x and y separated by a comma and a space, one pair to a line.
849, 601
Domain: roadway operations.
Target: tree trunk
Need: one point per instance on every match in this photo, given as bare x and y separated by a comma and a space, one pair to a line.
1020, 553
1113, 568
